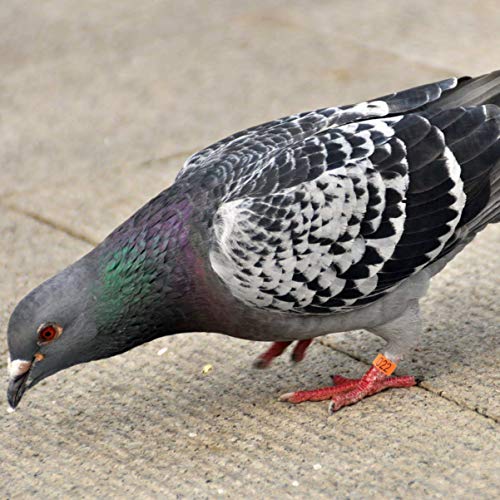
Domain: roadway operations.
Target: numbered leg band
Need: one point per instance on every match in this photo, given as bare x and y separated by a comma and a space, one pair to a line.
386, 366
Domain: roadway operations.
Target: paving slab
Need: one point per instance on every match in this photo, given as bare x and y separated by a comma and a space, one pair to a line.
458, 355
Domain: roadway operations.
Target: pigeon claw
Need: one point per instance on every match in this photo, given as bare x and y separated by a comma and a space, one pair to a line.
347, 391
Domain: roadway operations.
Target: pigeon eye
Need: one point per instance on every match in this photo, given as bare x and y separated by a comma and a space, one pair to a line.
48, 332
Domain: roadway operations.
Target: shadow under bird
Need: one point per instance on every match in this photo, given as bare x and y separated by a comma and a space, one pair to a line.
320, 222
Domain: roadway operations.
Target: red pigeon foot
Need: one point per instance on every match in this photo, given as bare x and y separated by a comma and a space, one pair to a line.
346, 391
277, 349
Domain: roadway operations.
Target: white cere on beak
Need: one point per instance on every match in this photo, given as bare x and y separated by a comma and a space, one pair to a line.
18, 367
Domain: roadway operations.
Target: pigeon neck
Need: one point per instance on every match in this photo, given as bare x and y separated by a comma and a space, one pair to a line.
145, 272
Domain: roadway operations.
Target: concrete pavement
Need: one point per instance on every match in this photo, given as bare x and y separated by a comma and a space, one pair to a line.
99, 105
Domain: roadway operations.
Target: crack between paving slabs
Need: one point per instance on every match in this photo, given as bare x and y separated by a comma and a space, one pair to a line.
152, 161
70, 231
48, 222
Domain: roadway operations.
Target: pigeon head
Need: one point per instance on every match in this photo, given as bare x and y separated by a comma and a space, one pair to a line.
52, 328
134, 287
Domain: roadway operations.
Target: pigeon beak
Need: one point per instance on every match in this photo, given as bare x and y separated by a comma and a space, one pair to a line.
19, 371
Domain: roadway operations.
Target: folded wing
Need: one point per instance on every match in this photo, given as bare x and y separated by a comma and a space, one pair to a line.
336, 220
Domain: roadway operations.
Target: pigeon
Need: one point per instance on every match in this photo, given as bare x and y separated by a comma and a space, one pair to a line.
319, 222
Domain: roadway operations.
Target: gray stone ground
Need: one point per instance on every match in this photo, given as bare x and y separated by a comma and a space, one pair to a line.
99, 104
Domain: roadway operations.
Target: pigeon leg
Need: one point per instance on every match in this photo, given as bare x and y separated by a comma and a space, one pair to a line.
277, 349
266, 358
401, 334
300, 349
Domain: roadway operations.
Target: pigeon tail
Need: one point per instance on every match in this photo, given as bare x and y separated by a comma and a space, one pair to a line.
480, 172
491, 212
484, 184
484, 89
